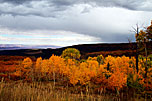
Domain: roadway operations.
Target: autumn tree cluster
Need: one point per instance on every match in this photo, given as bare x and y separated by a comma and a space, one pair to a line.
113, 73
144, 39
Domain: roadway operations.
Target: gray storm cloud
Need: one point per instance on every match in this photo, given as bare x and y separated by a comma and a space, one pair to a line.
55, 8
48, 8
109, 20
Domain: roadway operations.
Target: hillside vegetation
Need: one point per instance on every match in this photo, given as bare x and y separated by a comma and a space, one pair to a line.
86, 74
115, 77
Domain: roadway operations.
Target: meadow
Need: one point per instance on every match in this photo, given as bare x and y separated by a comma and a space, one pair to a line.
69, 78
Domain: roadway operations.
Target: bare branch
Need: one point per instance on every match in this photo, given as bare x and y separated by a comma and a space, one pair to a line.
134, 29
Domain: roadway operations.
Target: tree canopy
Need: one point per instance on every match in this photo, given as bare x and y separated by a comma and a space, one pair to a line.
71, 53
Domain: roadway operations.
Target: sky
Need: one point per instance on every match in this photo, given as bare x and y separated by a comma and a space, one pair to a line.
71, 22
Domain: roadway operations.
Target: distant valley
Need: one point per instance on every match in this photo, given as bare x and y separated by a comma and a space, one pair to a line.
20, 46
86, 50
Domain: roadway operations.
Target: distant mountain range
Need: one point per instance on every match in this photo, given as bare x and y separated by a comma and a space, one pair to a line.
86, 50
20, 46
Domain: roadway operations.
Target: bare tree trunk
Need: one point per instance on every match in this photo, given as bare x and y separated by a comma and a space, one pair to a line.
146, 69
54, 77
137, 49
137, 57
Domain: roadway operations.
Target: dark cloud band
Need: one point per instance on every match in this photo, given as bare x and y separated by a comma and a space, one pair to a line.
129, 4
17, 1
51, 8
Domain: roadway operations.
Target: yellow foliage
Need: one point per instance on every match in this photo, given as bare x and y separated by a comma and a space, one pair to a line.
27, 63
112, 72
74, 74
27, 68
56, 64
45, 66
38, 63
117, 80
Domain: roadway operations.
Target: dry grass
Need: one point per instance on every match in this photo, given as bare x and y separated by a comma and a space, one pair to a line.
40, 91
18, 91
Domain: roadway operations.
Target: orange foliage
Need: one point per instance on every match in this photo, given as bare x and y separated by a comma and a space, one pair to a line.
88, 70
38, 65
112, 73
117, 80
27, 63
